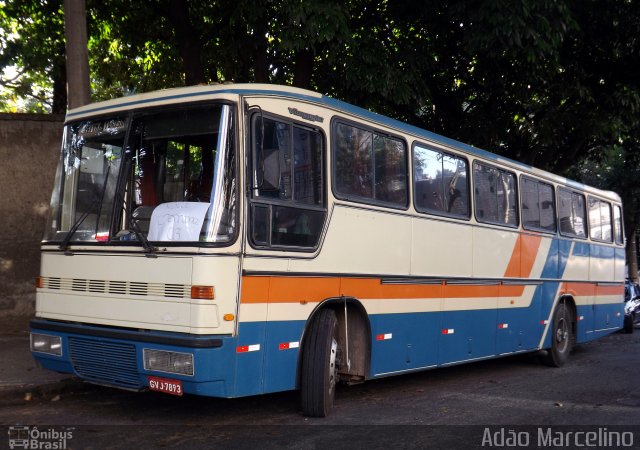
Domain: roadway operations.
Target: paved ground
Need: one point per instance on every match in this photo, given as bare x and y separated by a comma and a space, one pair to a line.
597, 391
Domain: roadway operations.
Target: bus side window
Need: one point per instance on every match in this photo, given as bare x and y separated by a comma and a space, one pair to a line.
599, 220
571, 213
440, 183
538, 208
369, 167
495, 195
617, 222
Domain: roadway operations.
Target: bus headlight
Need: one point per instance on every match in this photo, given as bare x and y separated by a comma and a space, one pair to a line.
170, 362
45, 343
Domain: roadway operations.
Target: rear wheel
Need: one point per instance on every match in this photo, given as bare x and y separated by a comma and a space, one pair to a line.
562, 338
319, 373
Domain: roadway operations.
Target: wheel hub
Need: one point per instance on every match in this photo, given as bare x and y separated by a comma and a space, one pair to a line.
332, 364
562, 333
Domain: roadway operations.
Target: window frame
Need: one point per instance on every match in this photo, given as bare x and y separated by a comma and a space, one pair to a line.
517, 195
423, 210
255, 202
338, 120
235, 113
123, 177
608, 203
613, 223
524, 178
585, 217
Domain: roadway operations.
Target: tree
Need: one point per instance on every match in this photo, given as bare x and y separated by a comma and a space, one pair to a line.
547, 83
32, 42
75, 26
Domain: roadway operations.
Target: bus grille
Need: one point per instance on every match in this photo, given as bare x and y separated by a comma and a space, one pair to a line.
105, 362
116, 287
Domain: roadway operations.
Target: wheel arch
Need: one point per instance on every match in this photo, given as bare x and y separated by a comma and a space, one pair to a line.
571, 302
358, 336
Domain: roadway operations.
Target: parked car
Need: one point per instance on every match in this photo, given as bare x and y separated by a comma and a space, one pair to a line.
631, 306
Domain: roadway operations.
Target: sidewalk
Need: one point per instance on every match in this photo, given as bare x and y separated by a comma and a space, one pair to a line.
18, 369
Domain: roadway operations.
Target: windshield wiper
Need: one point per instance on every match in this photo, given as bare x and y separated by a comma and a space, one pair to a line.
64, 245
133, 224
96, 201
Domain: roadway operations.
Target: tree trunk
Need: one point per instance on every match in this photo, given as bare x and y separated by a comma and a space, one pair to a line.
59, 76
260, 63
75, 28
189, 44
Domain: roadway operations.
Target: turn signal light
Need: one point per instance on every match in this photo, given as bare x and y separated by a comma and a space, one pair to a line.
38, 282
202, 292
228, 317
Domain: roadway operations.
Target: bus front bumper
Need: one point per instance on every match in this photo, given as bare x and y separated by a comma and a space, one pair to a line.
134, 359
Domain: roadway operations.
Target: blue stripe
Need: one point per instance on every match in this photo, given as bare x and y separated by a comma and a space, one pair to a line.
554, 267
602, 251
599, 251
581, 249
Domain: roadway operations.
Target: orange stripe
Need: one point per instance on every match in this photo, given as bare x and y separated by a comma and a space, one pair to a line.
589, 289
268, 289
372, 288
523, 256
470, 291
513, 268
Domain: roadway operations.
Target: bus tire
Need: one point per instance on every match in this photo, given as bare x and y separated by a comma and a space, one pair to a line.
319, 374
562, 336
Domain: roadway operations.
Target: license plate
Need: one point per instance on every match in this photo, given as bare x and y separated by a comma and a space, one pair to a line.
173, 387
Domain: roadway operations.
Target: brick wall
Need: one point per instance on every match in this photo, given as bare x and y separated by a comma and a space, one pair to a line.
29, 151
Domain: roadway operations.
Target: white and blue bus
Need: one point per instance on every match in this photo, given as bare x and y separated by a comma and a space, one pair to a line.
235, 240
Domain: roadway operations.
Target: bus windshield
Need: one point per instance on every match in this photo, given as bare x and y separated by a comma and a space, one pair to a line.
162, 175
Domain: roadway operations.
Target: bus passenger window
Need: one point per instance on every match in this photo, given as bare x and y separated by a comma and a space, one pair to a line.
369, 167
440, 183
354, 161
617, 222
495, 195
599, 220
571, 213
538, 209
390, 172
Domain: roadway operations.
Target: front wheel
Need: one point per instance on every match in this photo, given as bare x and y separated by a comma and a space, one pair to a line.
562, 336
319, 373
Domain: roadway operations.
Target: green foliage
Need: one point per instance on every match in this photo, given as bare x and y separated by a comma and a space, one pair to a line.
130, 48
546, 82
32, 43
551, 83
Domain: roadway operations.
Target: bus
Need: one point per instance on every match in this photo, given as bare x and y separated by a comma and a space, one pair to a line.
240, 239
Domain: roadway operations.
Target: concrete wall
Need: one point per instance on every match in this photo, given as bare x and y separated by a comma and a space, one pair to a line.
29, 152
